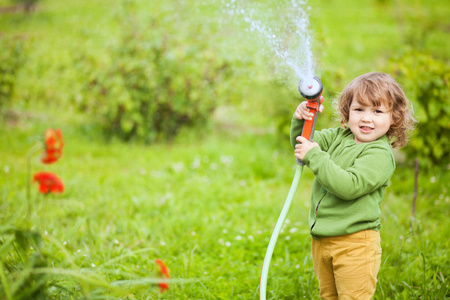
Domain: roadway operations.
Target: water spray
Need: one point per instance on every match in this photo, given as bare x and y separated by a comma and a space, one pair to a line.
310, 89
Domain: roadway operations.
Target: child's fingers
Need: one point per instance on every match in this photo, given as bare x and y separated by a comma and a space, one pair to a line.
302, 115
302, 112
301, 139
298, 112
305, 111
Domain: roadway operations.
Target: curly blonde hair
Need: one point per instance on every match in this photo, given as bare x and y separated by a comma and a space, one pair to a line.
374, 89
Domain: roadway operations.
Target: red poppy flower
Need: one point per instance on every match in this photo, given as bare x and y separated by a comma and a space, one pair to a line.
165, 272
54, 144
49, 183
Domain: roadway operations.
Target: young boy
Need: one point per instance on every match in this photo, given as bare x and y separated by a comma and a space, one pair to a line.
352, 167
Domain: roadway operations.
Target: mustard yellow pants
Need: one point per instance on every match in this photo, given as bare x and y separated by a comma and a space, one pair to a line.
347, 266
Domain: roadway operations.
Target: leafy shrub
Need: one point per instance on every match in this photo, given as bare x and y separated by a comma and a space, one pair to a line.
156, 83
28, 5
427, 80
11, 59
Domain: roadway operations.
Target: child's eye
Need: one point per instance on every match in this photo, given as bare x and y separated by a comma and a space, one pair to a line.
358, 109
378, 111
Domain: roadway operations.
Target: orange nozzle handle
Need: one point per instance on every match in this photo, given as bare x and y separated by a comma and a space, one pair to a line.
310, 125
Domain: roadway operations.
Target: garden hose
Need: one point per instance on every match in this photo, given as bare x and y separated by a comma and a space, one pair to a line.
310, 89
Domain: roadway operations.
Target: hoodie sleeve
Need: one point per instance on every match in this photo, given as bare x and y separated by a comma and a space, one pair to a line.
371, 170
296, 130
324, 137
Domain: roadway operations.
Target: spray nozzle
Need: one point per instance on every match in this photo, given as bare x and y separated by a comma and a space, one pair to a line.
310, 88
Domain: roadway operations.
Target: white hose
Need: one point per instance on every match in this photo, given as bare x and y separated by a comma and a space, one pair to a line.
276, 232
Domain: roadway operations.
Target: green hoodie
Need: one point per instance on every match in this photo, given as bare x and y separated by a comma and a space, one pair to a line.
349, 183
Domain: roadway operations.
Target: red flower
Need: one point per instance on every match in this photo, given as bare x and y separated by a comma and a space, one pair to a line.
165, 272
54, 144
49, 183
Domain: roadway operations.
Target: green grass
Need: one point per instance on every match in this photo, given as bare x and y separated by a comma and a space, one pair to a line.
202, 208
205, 203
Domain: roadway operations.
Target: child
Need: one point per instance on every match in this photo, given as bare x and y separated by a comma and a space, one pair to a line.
352, 167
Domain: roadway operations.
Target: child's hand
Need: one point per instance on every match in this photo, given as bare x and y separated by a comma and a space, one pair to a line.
302, 112
303, 147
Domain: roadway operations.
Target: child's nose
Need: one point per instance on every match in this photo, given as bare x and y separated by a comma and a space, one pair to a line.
366, 118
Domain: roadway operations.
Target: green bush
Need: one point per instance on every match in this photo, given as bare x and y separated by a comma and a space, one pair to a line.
427, 80
11, 59
28, 5
156, 83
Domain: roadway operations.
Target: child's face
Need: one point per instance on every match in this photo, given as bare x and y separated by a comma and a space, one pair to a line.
368, 123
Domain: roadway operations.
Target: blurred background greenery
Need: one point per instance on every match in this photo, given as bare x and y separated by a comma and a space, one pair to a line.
143, 71
154, 76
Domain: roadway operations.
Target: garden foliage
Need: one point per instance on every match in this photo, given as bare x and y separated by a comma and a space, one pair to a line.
156, 83
28, 5
12, 56
428, 81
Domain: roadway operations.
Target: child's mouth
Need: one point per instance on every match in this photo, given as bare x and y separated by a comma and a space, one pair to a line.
366, 129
